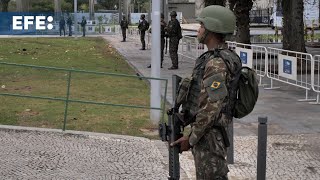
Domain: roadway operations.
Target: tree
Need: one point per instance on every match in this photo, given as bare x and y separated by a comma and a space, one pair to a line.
293, 27
4, 5
108, 4
241, 9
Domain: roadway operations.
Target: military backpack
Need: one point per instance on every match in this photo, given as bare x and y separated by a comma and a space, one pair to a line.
243, 87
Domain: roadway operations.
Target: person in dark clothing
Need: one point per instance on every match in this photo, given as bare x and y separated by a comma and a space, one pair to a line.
62, 24
69, 23
163, 24
174, 33
143, 27
124, 27
83, 25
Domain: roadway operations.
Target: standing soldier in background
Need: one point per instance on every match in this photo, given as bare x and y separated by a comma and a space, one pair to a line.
174, 33
163, 25
69, 23
124, 27
143, 27
83, 25
62, 24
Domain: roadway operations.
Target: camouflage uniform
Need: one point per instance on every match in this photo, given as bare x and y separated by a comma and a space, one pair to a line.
124, 27
83, 25
143, 27
174, 33
163, 34
206, 100
207, 96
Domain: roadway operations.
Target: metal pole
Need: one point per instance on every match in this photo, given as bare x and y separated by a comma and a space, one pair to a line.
155, 62
262, 148
75, 2
67, 102
230, 151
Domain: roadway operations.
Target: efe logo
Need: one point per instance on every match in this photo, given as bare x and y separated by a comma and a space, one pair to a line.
23, 22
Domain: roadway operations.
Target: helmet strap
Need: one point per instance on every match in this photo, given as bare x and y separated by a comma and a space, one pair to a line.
203, 37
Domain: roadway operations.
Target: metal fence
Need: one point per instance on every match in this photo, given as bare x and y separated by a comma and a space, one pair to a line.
67, 98
315, 77
290, 67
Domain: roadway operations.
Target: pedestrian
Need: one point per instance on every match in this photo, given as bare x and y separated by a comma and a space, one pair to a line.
163, 24
69, 23
124, 27
174, 33
143, 27
62, 24
83, 25
207, 97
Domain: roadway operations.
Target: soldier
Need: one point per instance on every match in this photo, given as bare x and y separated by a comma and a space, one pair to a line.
143, 27
174, 33
62, 24
163, 24
208, 95
83, 25
69, 23
124, 27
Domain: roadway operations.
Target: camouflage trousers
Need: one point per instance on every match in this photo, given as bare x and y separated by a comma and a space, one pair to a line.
142, 36
173, 50
210, 157
124, 33
162, 48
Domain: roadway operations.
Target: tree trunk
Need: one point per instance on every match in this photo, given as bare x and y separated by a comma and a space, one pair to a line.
23, 5
214, 2
241, 10
4, 5
199, 5
293, 28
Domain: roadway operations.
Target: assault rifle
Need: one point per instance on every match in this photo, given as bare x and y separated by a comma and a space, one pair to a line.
172, 132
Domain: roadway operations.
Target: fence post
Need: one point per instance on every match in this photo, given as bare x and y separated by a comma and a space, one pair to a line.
230, 151
67, 101
262, 148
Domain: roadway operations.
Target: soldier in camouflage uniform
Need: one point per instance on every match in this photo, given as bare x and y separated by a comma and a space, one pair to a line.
143, 27
208, 96
124, 27
174, 33
163, 24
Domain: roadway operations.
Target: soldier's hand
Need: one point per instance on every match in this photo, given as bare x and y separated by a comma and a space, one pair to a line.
183, 142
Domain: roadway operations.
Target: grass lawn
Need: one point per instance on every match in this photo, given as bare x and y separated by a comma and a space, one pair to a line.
93, 54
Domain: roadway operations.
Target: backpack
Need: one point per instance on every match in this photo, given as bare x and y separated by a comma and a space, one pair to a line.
243, 87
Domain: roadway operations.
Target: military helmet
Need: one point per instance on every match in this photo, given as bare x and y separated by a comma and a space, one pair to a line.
173, 13
143, 16
218, 19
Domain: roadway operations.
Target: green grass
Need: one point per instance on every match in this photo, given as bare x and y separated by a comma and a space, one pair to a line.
93, 54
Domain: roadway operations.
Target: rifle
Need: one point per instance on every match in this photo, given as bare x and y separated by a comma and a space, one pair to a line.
172, 132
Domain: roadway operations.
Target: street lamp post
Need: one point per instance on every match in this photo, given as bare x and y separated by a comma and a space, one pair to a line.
155, 99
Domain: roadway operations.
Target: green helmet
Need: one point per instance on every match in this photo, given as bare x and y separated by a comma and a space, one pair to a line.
218, 19
173, 13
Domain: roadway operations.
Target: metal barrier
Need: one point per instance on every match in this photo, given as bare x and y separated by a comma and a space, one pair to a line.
290, 67
67, 98
315, 76
252, 56
190, 47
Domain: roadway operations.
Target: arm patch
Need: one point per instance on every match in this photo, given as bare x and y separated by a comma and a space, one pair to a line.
215, 86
